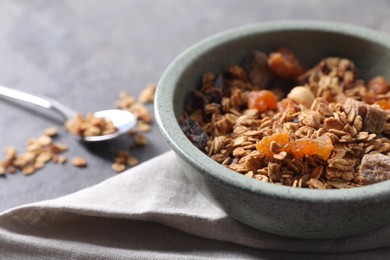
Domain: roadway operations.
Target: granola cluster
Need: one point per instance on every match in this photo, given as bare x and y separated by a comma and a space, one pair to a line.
320, 128
89, 125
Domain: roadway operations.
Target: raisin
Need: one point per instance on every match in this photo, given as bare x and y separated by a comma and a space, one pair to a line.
195, 133
235, 72
370, 97
195, 100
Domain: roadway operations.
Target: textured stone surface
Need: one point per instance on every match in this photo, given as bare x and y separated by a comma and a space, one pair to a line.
83, 53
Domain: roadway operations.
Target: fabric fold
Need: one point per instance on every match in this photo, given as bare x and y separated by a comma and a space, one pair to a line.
153, 211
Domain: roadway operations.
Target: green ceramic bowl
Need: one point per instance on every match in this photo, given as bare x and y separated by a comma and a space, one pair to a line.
281, 210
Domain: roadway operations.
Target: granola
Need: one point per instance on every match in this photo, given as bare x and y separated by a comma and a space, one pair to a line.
79, 162
89, 125
275, 121
39, 151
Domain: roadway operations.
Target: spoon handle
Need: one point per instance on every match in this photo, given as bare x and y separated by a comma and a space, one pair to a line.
43, 102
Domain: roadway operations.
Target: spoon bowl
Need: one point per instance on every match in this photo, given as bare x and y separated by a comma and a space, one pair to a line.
122, 120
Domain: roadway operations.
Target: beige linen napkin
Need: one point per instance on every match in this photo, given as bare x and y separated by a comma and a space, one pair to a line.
153, 212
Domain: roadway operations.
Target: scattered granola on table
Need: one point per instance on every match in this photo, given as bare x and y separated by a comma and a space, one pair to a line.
79, 162
123, 160
39, 152
138, 108
273, 120
43, 150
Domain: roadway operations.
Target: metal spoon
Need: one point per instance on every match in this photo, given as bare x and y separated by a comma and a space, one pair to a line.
122, 120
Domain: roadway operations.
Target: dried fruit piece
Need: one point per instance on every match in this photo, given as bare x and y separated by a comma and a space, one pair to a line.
283, 63
374, 119
262, 100
257, 69
374, 168
235, 72
370, 97
195, 133
264, 146
383, 103
379, 85
321, 146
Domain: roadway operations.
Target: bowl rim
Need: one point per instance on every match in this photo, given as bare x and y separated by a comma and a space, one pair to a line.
170, 128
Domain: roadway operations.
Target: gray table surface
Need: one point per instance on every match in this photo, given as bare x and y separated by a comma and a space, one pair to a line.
83, 53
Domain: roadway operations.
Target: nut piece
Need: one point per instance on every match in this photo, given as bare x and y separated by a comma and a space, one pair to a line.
302, 96
79, 162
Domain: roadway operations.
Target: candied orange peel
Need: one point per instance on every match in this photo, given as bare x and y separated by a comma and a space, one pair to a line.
321, 146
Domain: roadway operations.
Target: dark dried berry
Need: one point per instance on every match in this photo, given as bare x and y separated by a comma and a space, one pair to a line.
257, 69
235, 72
195, 100
195, 133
